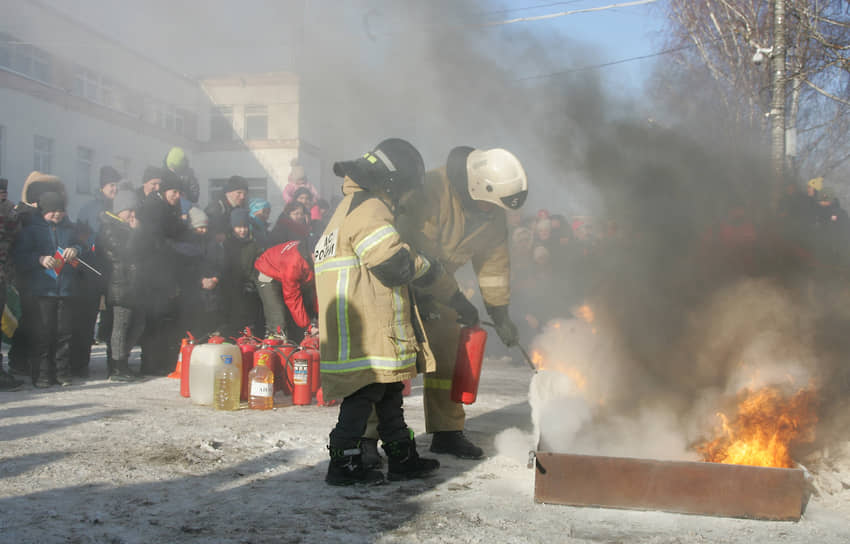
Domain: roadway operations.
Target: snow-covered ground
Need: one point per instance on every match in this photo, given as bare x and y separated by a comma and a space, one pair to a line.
105, 462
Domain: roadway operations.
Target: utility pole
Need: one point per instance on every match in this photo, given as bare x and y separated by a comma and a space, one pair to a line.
777, 106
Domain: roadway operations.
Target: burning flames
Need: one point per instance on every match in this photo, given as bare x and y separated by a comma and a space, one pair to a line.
768, 424
578, 379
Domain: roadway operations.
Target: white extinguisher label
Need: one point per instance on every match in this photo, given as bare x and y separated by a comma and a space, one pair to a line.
260, 389
300, 373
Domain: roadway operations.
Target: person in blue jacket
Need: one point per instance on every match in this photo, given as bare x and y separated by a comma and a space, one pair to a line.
45, 254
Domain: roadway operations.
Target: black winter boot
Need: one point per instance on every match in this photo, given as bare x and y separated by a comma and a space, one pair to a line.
9, 382
369, 452
346, 468
405, 463
454, 443
121, 372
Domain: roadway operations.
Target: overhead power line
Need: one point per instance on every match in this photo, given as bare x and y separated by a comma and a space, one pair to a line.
571, 12
615, 62
528, 8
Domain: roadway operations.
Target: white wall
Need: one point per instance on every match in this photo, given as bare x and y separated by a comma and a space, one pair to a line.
24, 117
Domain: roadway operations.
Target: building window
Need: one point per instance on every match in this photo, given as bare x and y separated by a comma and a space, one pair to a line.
221, 124
85, 158
257, 188
43, 154
256, 123
122, 164
24, 58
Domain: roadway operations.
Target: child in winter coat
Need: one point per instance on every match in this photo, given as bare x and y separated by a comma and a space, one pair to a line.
45, 254
242, 304
119, 248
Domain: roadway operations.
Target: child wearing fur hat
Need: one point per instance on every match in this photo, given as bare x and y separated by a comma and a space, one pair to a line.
36, 184
44, 254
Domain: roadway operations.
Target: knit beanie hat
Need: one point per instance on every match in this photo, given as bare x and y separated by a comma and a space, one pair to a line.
51, 202
197, 218
258, 204
108, 175
125, 200
151, 172
235, 183
170, 181
239, 217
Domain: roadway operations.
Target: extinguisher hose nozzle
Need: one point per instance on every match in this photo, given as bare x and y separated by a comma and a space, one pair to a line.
521, 349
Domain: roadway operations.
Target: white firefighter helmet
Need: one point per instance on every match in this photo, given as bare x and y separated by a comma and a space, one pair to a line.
497, 176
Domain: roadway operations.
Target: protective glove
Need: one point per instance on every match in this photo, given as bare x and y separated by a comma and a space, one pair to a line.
313, 328
467, 314
505, 328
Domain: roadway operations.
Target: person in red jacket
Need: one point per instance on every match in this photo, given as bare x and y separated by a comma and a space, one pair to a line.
287, 287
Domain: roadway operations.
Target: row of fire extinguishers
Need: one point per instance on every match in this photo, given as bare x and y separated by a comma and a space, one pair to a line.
297, 373
295, 367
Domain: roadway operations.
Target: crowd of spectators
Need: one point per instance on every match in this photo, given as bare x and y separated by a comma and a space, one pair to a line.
148, 265
144, 266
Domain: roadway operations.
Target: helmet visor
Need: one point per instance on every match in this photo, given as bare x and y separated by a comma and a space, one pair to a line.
515, 201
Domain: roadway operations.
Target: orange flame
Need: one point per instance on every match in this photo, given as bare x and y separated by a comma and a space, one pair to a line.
768, 424
574, 374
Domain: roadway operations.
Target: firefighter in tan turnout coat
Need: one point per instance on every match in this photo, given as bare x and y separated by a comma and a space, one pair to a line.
458, 216
372, 335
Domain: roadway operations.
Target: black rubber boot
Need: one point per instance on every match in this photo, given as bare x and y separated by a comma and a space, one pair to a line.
454, 443
404, 462
346, 468
369, 453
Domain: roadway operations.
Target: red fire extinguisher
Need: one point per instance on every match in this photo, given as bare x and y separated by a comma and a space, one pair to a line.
470, 356
310, 346
248, 346
186, 346
298, 376
216, 339
283, 349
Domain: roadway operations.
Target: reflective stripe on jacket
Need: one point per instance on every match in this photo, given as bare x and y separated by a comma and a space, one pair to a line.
367, 328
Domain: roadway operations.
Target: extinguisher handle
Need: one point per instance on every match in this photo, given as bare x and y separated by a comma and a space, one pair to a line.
521, 349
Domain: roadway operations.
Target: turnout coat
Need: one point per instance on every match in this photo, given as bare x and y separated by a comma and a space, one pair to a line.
370, 333
435, 224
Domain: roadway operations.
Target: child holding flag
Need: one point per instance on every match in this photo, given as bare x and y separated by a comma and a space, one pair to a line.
45, 253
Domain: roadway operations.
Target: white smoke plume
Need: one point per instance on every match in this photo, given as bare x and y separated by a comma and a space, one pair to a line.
592, 398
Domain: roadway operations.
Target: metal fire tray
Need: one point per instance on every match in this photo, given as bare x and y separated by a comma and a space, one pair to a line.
712, 489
